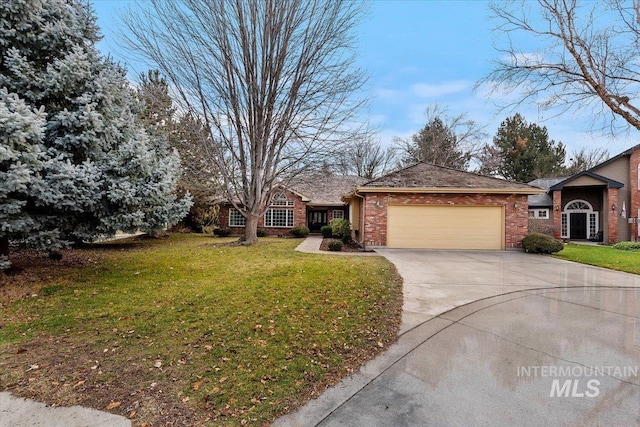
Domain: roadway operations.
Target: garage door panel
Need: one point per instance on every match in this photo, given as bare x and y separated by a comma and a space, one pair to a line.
445, 227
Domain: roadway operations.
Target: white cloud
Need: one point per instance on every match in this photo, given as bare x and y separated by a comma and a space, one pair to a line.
427, 90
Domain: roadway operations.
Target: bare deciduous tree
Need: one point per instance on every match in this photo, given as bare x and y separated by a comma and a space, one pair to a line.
588, 57
584, 159
366, 158
451, 141
273, 80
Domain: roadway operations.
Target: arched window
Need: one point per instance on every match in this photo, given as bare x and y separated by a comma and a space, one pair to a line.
578, 205
590, 220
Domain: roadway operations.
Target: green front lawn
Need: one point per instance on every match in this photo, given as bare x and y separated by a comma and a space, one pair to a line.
602, 256
188, 331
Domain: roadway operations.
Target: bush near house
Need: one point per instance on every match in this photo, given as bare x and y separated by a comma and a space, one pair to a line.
335, 246
627, 246
538, 243
540, 227
261, 232
327, 231
222, 232
299, 231
341, 229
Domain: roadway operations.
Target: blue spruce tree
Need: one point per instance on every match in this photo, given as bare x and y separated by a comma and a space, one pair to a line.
71, 135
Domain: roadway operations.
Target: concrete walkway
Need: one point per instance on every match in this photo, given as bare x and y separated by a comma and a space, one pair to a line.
311, 245
17, 412
470, 321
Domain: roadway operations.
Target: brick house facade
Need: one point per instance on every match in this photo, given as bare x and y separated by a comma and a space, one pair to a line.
433, 194
599, 204
311, 203
290, 206
374, 214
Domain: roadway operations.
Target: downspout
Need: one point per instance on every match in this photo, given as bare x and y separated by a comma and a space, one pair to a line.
361, 219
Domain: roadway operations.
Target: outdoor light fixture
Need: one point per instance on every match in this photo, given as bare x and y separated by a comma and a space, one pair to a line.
613, 207
557, 208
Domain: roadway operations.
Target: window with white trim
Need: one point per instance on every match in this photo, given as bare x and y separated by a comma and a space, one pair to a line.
278, 218
236, 219
593, 224
564, 232
539, 213
338, 214
280, 199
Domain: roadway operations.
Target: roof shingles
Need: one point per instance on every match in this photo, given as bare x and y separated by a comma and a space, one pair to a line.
423, 175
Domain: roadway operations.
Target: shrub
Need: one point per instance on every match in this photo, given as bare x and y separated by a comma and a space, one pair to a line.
341, 229
537, 243
261, 232
540, 226
335, 246
627, 246
222, 232
326, 231
299, 231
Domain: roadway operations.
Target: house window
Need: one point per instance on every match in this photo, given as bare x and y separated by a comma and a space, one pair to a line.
338, 214
236, 219
278, 218
563, 228
539, 213
280, 199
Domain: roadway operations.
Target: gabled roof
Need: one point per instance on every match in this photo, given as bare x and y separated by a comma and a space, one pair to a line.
611, 183
427, 178
327, 190
626, 152
537, 200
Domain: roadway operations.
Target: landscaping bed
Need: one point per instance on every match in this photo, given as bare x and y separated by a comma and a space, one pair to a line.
179, 332
351, 247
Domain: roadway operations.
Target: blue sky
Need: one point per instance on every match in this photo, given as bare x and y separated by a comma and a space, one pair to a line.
419, 53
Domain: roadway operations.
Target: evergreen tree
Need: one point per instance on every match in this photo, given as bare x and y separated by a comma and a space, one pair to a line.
523, 152
446, 140
97, 170
437, 144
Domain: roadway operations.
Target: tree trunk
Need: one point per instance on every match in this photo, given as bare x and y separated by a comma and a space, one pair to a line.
251, 230
4, 246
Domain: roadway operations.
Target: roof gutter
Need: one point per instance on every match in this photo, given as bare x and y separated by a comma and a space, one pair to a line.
446, 190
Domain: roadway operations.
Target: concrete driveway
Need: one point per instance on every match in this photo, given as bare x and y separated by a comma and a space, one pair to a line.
498, 338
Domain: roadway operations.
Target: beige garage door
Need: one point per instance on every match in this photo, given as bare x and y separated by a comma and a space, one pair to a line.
445, 227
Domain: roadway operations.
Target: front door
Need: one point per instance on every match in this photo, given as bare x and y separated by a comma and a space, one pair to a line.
578, 226
317, 219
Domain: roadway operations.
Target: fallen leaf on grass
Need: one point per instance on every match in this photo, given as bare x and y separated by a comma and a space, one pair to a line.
197, 385
113, 405
157, 364
79, 383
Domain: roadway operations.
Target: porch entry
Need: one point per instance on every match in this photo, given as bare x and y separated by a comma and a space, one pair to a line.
579, 221
316, 220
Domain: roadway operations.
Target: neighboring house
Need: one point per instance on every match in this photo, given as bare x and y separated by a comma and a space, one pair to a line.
601, 203
427, 206
311, 203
